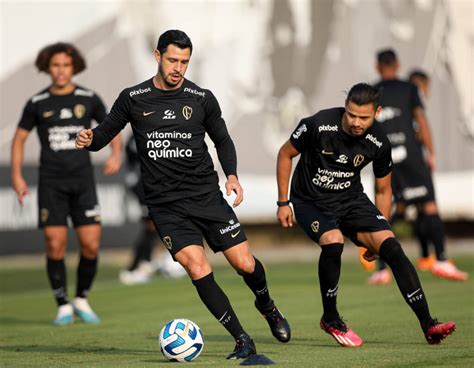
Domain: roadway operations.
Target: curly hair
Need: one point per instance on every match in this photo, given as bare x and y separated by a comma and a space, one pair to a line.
45, 55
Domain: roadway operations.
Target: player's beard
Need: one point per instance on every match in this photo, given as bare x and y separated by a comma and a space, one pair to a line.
167, 79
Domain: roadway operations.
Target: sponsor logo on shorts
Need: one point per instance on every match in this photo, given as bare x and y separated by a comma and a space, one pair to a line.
381, 217
94, 212
358, 159
168, 242
146, 113
235, 234
414, 192
79, 111
44, 214
139, 91
300, 131
328, 128
315, 226
233, 226
187, 112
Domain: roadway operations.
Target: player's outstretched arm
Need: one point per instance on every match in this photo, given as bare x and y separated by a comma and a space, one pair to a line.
284, 165
18, 148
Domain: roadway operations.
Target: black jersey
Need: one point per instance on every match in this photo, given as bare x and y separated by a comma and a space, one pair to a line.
398, 101
331, 160
58, 118
169, 127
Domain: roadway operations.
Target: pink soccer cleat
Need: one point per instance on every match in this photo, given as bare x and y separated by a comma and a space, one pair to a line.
344, 335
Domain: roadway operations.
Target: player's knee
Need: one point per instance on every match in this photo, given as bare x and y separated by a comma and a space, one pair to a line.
55, 248
391, 250
331, 237
90, 249
244, 265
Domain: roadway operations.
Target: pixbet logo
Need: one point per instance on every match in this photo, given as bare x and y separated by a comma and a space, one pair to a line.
139, 91
328, 128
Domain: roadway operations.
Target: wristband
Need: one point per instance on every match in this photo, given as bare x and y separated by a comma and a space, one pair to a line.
283, 203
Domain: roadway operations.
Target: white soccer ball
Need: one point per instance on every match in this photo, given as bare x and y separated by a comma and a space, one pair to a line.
181, 340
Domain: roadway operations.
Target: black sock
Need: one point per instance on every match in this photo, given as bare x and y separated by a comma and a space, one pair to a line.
381, 265
86, 272
144, 247
436, 231
329, 270
422, 234
257, 282
218, 304
57, 279
407, 279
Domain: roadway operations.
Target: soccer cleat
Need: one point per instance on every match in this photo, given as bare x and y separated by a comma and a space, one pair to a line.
366, 265
140, 275
344, 335
65, 315
439, 331
447, 270
83, 310
277, 322
425, 263
244, 347
382, 277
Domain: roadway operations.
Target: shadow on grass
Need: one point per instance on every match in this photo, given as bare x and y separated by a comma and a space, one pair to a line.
36, 348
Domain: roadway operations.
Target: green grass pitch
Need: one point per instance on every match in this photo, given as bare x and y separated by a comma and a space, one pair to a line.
133, 316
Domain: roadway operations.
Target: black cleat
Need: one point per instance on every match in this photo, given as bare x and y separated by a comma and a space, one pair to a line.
244, 347
277, 322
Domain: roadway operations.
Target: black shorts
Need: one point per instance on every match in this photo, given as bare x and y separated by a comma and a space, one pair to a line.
187, 221
356, 215
412, 183
75, 198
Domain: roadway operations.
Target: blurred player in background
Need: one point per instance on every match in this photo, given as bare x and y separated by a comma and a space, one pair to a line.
170, 117
66, 178
142, 269
404, 121
329, 202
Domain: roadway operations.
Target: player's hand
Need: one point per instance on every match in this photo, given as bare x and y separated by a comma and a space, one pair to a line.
21, 188
233, 185
84, 138
431, 162
369, 256
112, 165
285, 216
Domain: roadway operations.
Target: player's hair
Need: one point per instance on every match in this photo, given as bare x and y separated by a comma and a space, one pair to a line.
418, 73
175, 37
363, 94
387, 57
45, 55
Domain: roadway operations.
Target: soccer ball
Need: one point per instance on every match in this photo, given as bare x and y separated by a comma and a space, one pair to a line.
181, 340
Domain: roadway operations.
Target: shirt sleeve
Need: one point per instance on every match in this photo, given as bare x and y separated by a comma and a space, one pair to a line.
113, 123
302, 135
28, 118
100, 111
217, 131
415, 99
382, 164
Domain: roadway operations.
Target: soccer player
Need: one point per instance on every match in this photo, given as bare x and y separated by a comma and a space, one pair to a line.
66, 181
411, 180
170, 116
329, 203
142, 268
